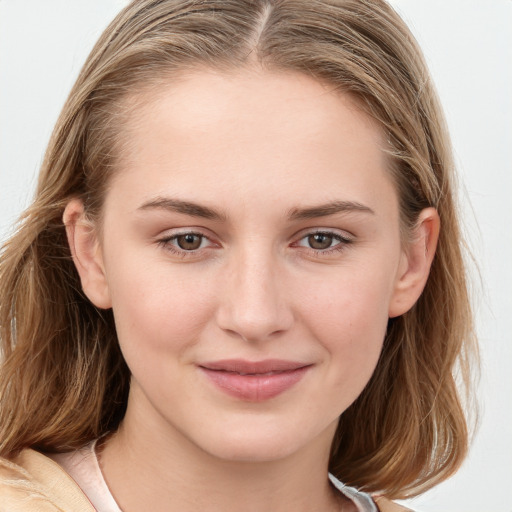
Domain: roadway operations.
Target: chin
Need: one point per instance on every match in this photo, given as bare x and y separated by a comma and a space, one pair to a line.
253, 450
261, 443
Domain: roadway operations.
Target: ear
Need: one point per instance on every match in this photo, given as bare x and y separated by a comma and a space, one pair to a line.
87, 255
415, 264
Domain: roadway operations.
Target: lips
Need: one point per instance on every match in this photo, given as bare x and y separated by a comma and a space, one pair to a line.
254, 381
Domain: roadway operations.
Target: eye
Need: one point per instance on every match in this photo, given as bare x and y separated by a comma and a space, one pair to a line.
189, 241
324, 241
185, 242
321, 241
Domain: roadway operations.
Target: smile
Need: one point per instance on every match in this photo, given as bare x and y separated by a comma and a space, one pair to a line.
254, 381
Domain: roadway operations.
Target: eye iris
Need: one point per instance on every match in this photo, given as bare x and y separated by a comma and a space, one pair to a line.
189, 242
320, 241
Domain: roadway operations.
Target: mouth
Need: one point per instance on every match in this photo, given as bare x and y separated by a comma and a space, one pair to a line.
254, 381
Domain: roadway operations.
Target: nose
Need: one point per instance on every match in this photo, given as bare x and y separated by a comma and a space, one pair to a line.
253, 301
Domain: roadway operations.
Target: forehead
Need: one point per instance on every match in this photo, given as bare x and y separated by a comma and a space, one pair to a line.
202, 101
251, 130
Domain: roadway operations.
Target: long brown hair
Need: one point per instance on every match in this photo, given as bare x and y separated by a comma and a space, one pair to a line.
63, 381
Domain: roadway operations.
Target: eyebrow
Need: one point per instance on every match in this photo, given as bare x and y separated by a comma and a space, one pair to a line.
185, 207
197, 210
327, 209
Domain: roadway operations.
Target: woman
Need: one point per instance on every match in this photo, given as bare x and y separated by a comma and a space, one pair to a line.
241, 282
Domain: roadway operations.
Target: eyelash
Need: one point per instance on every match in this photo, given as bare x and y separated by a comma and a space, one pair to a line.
167, 244
342, 243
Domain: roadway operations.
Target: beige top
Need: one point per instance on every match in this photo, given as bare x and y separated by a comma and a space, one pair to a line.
33, 481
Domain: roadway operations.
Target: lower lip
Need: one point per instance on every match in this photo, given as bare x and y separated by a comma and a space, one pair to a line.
255, 387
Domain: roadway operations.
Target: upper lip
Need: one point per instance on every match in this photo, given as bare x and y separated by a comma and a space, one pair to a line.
253, 367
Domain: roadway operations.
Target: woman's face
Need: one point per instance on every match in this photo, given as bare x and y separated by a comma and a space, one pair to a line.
251, 253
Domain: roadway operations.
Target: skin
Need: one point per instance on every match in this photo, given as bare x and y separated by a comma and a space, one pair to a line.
256, 148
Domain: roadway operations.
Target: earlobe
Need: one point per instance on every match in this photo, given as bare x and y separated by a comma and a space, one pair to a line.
416, 263
86, 252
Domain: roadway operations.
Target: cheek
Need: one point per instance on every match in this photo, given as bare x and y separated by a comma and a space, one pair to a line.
348, 316
156, 309
351, 302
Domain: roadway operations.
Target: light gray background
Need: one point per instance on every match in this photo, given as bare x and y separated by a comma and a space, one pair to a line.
468, 44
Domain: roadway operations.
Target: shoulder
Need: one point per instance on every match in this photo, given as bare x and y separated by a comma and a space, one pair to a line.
366, 501
31, 481
386, 505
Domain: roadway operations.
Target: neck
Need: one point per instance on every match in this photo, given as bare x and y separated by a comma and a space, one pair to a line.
148, 467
